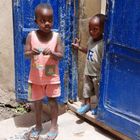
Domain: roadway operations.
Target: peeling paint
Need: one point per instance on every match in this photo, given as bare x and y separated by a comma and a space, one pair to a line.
16, 3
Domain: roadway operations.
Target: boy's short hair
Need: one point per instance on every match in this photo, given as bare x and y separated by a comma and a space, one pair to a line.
101, 18
43, 6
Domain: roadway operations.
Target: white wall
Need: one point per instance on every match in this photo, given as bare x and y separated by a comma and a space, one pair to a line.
103, 6
6, 46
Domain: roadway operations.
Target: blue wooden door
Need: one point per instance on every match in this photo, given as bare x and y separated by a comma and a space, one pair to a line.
119, 105
65, 22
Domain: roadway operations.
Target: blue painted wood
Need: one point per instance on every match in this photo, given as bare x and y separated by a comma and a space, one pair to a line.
66, 23
120, 83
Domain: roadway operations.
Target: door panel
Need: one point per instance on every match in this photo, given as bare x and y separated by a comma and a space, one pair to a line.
23, 13
120, 83
124, 28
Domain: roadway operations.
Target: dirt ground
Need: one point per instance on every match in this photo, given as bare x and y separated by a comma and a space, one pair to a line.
8, 105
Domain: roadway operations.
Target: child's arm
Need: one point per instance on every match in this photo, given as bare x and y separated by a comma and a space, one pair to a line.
59, 51
76, 45
29, 52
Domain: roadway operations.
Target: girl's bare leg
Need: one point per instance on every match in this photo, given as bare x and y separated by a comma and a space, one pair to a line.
38, 112
53, 132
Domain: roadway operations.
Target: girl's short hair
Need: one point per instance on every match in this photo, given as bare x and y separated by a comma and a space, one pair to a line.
43, 6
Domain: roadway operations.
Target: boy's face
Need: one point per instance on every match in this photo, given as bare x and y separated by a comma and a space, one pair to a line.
95, 29
44, 19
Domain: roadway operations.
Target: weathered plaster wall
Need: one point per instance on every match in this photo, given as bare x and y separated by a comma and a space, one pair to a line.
103, 6
6, 46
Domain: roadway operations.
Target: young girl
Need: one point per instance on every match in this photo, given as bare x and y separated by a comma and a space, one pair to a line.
45, 49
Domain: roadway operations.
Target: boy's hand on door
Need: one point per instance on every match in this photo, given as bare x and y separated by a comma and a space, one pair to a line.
76, 43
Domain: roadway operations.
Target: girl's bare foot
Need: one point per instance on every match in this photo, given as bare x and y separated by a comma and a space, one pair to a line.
52, 134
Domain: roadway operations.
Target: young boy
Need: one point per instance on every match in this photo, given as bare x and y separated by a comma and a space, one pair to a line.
94, 53
45, 49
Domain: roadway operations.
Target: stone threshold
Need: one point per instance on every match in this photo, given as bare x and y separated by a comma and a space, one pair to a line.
88, 116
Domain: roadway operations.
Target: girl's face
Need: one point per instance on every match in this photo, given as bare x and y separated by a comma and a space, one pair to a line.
44, 19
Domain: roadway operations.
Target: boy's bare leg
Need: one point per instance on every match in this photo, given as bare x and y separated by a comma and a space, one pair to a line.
96, 89
38, 112
87, 101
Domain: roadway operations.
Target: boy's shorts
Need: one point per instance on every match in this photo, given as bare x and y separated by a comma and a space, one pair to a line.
38, 92
91, 86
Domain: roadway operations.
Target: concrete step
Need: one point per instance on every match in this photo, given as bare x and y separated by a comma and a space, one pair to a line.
70, 128
88, 116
